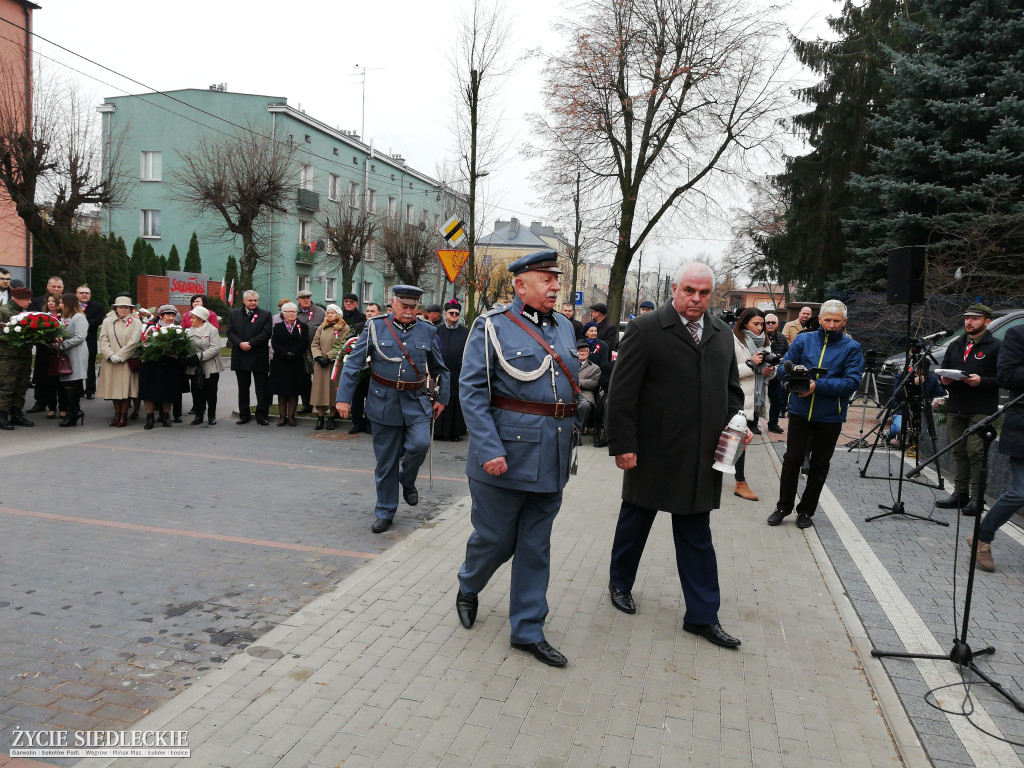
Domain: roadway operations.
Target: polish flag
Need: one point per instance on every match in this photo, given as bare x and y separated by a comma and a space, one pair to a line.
231, 294
223, 286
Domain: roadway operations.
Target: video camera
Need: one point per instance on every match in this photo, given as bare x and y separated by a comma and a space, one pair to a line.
800, 377
768, 358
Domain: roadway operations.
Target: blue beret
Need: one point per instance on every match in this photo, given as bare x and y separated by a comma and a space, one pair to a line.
538, 261
407, 292
646, 305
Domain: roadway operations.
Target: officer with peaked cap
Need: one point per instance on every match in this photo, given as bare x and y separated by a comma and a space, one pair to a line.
518, 389
401, 353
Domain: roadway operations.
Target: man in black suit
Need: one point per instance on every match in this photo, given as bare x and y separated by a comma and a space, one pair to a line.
674, 387
94, 314
452, 336
249, 329
607, 331
351, 315
54, 285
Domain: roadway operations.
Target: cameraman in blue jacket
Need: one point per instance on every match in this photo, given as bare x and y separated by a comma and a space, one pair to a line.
817, 407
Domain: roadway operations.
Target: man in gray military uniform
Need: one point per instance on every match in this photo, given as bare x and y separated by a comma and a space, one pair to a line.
518, 389
401, 352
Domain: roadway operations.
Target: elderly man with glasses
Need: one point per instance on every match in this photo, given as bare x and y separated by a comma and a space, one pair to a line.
779, 345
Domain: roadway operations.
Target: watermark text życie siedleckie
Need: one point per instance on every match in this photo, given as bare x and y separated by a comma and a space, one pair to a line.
59, 743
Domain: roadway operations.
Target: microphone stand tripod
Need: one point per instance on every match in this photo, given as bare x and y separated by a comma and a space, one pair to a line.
868, 384
961, 653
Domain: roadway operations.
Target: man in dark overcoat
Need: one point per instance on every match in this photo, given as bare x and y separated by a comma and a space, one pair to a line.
674, 388
94, 315
249, 330
452, 336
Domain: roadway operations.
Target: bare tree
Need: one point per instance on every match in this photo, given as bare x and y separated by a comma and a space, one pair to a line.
657, 99
493, 283
348, 232
477, 64
754, 231
54, 163
243, 178
408, 248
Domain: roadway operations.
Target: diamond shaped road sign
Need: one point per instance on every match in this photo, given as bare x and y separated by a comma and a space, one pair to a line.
453, 230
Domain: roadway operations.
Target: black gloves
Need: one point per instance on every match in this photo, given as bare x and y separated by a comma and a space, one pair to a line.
192, 360
323, 361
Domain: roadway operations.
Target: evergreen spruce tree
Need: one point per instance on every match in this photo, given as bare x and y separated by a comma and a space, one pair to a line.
163, 265
173, 260
151, 262
811, 247
117, 279
949, 172
192, 261
231, 271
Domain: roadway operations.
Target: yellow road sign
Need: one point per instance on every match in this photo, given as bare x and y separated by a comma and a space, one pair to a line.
453, 231
453, 262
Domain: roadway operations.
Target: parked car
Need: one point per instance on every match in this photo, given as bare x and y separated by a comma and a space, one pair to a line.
1002, 321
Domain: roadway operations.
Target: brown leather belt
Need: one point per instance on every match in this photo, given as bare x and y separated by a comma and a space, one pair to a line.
399, 385
558, 410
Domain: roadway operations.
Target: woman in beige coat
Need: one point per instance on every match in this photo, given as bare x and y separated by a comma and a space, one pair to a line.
326, 346
118, 339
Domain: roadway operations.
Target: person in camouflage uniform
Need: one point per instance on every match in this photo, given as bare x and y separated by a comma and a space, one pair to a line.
15, 366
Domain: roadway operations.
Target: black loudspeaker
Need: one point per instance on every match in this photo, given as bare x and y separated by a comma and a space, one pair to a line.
906, 275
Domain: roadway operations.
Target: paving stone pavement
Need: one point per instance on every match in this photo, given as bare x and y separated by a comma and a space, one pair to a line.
380, 672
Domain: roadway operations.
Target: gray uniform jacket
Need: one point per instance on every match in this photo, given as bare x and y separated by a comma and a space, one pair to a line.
386, 405
536, 448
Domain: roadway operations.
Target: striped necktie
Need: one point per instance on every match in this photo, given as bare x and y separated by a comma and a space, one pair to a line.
694, 329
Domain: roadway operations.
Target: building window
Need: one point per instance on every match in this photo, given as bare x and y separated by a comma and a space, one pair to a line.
392, 208
306, 176
149, 224
410, 214
152, 167
331, 289
335, 150
353, 194
355, 160
303, 283
372, 205
305, 231
370, 252
367, 292
334, 187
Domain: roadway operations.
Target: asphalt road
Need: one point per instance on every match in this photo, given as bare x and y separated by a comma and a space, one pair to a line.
134, 562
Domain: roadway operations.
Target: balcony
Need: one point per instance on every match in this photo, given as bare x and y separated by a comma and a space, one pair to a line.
304, 255
308, 200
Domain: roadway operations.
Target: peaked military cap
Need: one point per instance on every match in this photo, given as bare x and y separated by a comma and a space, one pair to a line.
407, 293
538, 261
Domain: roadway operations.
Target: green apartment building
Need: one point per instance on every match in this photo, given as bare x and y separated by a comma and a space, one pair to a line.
332, 167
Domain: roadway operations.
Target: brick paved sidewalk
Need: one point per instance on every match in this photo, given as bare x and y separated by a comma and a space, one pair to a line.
380, 672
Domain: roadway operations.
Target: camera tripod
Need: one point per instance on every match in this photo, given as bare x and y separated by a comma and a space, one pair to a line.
961, 653
868, 390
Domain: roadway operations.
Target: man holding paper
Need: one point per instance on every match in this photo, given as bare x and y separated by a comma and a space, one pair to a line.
971, 398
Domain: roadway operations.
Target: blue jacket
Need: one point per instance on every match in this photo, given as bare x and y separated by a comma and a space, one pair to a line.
385, 405
536, 448
843, 359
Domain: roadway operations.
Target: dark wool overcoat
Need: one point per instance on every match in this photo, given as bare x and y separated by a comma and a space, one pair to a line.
668, 402
1011, 377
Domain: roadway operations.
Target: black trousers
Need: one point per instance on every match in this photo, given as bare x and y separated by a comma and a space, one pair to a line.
206, 398
263, 396
92, 344
358, 401
777, 397
820, 437
695, 558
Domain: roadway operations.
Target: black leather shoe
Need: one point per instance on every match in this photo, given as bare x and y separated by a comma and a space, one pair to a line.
543, 652
18, 419
263, 421
380, 525
90, 396
953, 501
713, 633
466, 608
776, 517
37, 408
776, 429
803, 521
411, 495
622, 599
355, 430
243, 420
970, 509
197, 420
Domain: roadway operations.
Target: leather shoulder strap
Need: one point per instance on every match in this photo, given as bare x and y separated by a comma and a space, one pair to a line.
547, 348
401, 346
